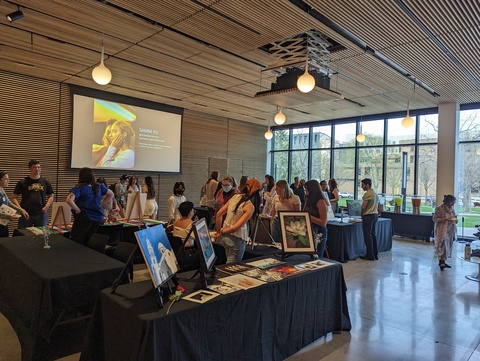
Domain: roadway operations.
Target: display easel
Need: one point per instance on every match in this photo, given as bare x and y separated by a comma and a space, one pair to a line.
61, 212
165, 290
135, 206
259, 220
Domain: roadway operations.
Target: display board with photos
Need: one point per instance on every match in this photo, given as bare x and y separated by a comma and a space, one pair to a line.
158, 254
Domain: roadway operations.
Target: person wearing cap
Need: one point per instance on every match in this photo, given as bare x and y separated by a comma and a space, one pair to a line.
37, 196
4, 180
233, 234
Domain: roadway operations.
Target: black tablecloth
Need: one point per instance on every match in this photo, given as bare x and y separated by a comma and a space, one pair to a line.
412, 225
345, 240
39, 287
269, 322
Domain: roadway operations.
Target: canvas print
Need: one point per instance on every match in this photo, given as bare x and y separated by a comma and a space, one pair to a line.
297, 236
288, 270
158, 254
201, 296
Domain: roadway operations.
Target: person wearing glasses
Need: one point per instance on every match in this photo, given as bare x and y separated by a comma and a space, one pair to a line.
174, 202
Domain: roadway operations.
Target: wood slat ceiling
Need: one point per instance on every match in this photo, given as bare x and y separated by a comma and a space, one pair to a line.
207, 55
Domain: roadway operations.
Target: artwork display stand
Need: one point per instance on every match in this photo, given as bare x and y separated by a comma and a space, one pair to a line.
59, 210
135, 206
258, 221
117, 280
162, 292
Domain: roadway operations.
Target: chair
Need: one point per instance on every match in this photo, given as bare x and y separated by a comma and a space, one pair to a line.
124, 252
113, 231
187, 258
97, 242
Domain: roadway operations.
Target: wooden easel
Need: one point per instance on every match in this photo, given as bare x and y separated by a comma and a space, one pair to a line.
59, 217
135, 206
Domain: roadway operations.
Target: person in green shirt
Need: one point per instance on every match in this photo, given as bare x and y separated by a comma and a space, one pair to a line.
369, 219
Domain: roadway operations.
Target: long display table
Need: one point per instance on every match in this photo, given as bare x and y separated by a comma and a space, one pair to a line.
413, 225
270, 322
345, 240
41, 289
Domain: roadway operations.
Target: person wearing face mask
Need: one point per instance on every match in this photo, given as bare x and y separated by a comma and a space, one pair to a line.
224, 193
174, 201
232, 234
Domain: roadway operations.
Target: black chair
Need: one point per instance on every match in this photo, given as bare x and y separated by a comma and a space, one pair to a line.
113, 231
124, 253
187, 258
97, 242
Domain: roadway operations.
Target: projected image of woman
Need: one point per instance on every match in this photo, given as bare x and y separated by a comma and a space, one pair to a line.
120, 152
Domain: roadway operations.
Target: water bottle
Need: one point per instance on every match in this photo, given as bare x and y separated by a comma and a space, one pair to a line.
46, 238
468, 251
341, 215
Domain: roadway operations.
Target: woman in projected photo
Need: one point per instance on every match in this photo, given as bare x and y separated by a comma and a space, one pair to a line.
99, 150
120, 152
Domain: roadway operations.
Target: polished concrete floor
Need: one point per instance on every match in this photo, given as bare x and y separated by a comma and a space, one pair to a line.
402, 307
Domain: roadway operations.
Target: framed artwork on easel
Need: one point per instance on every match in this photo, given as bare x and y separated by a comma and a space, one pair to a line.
61, 214
297, 235
135, 206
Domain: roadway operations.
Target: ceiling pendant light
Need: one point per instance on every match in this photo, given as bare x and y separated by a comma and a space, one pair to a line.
408, 121
101, 74
306, 82
360, 135
280, 118
268, 134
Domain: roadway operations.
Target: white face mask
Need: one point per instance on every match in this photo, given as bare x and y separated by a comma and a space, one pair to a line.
227, 189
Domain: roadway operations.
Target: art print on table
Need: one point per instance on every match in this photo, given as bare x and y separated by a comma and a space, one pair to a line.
242, 281
201, 296
264, 275
297, 235
266, 263
224, 288
234, 267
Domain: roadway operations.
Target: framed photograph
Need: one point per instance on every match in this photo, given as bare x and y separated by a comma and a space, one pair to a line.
297, 235
201, 296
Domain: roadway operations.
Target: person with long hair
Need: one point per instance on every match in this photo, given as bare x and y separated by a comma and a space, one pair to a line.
233, 233
4, 180
268, 195
333, 194
86, 200
111, 210
151, 206
317, 206
121, 151
174, 202
284, 200
445, 230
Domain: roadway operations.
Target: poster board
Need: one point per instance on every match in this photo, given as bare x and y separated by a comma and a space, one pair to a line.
135, 205
61, 214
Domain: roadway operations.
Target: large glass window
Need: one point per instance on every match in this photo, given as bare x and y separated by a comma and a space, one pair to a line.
397, 159
320, 165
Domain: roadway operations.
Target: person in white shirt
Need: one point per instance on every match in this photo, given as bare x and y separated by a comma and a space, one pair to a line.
285, 200
174, 202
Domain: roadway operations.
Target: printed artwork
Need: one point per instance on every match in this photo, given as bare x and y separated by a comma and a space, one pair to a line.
297, 236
